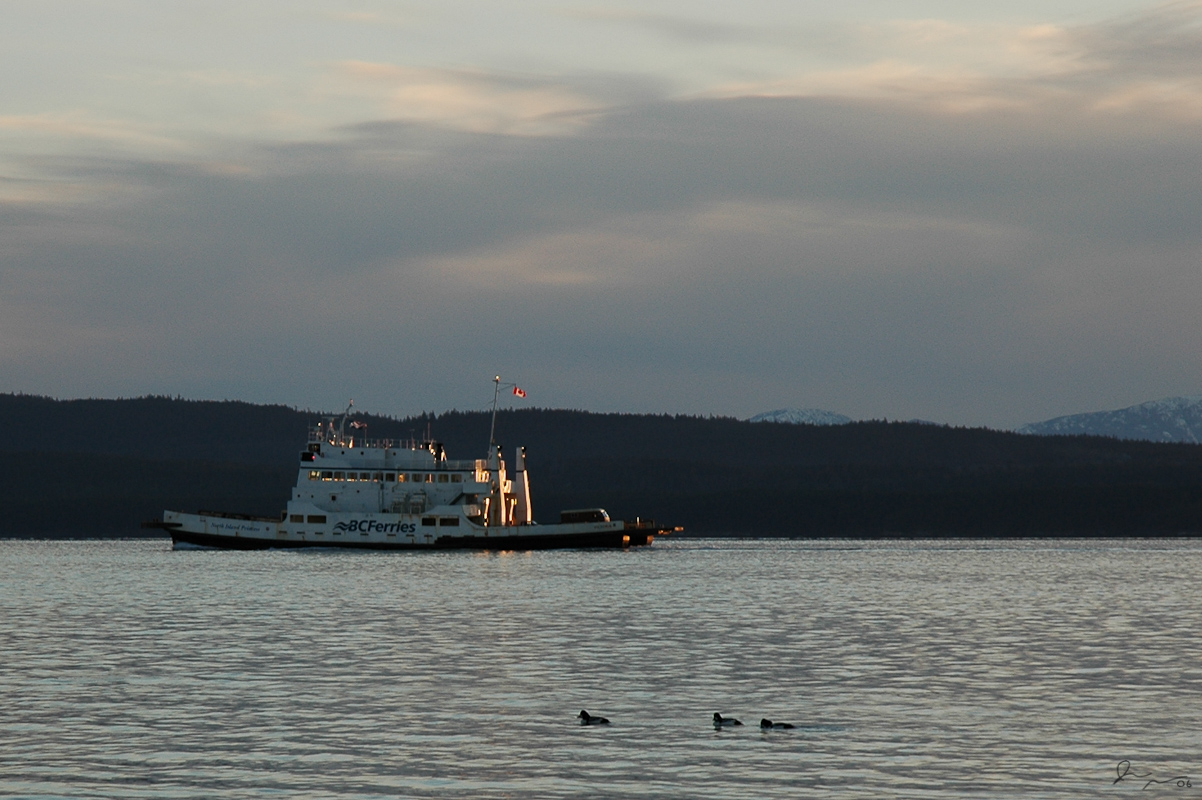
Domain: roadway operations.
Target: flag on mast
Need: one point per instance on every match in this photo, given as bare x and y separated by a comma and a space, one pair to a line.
519, 392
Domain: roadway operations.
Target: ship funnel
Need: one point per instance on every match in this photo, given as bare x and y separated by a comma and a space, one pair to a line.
522, 512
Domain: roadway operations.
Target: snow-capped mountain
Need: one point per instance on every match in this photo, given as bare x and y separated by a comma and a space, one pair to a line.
802, 416
1173, 419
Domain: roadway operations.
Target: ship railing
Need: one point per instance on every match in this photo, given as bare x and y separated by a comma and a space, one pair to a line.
331, 437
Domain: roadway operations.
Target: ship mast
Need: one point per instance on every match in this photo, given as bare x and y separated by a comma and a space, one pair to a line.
342, 423
492, 429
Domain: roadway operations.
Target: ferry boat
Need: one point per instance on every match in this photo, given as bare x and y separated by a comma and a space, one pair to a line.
381, 494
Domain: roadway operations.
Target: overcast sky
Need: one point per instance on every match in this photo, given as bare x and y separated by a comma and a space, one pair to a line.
903, 209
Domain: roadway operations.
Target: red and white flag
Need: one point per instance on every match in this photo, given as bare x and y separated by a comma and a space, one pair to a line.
519, 392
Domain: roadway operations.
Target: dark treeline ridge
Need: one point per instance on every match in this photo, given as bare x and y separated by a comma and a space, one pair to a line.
99, 467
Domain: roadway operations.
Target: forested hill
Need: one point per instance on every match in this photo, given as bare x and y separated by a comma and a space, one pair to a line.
154, 427
98, 467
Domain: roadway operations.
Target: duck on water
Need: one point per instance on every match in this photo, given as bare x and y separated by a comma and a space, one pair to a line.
769, 725
385, 494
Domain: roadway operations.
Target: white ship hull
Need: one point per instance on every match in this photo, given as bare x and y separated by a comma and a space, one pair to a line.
397, 532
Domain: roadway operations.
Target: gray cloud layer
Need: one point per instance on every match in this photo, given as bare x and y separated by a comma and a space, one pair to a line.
880, 256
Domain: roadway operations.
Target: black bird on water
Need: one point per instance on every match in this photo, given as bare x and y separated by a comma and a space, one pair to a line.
769, 725
722, 722
588, 719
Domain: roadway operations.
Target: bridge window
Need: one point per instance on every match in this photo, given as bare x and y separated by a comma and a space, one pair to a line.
296, 518
318, 519
401, 477
390, 476
456, 478
378, 476
339, 476
326, 475
443, 477
314, 474
429, 522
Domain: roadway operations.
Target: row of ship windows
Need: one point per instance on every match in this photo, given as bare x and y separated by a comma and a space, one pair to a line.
427, 522
396, 477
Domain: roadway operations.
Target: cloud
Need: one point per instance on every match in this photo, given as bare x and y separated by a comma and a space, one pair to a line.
1022, 251
691, 30
1146, 62
844, 249
483, 102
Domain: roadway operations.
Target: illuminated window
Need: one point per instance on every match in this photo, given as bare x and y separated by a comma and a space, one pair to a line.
314, 474
400, 478
378, 476
326, 475
338, 476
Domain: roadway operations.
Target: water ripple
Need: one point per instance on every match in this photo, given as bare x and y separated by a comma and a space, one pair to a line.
911, 669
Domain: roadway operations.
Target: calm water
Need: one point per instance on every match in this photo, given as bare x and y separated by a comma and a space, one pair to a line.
912, 669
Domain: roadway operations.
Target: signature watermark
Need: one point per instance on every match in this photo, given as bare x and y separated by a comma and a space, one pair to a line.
1124, 771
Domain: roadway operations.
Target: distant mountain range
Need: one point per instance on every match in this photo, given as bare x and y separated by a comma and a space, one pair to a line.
802, 416
1173, 419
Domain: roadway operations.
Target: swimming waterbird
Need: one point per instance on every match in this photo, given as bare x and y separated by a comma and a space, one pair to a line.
769, 725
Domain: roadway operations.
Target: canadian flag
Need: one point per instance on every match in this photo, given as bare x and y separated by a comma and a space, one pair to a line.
518, 392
